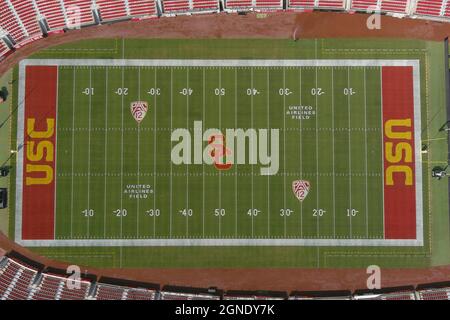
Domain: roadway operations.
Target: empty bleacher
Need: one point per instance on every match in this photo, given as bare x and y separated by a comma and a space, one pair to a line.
112, 9
52, 11
365, 5
394, 6
255, 4
78, 12
317, 4
142, 7
4, 50
11, 23
15, 280
176, 6
28, 16
434, 294
110, 292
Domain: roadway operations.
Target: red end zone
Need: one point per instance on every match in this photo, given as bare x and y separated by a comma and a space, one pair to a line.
38, 193
398, 145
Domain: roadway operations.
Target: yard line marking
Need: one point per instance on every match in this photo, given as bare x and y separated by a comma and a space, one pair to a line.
365, 152
220, 173
317, 152
284, 149
268, 128
251, 112
349, 149
382, 145
73, 149
171, 169
187, 166
333, 137
154, 157
89, 151
301, 152
203, 164
121, 164
106, 146
235, 167
138, 153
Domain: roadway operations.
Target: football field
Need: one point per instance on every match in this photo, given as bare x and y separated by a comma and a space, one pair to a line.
219, 152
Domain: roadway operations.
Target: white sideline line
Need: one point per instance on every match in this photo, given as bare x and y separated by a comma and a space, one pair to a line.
365, 152
334, 138
106, 150
138, 155
225, 63
73, 149
220, 242
215, 63
301, 151
349, 152
268, 128
89, 154
154, 155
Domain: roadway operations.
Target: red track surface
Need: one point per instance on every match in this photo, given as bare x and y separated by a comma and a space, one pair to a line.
399, 198
38, 196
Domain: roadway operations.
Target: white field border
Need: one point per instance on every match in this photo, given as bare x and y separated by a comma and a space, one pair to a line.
222, 242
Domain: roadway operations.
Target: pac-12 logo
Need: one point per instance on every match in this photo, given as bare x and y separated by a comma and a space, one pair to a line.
300, 189
139, 110
398, 151
39, 153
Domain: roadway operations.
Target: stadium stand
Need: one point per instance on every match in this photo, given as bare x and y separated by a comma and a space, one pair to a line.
3, 49
78, 12
176, 6
205, 5
429, 7
11, 23
399, 293
321, 295
254, 4
395, 6
365, 5
28, 16
21, 279
434, 294
52, 11
15, 280
142, 8
112, 9
318, 4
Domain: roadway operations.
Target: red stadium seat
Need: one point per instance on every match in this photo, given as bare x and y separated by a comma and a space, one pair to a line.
142, 7
52, 11
112, 9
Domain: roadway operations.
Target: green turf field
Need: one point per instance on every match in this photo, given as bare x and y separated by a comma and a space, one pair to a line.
116, 179
104, 154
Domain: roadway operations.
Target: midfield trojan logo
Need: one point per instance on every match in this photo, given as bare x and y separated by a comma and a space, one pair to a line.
300, 189
223, 151
139, 110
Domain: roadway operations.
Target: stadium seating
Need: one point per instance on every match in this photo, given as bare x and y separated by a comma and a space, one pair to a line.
141, 294
110, 292
78, 12
429, 7
256, 4
28, 16
112, 9
3, 49
49, 288
53, 13
365, 5
186, 296
176, 6
387, 296
395, 6
205, 5
15, 280
142, 8
435, 294
319, 4
11, 23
